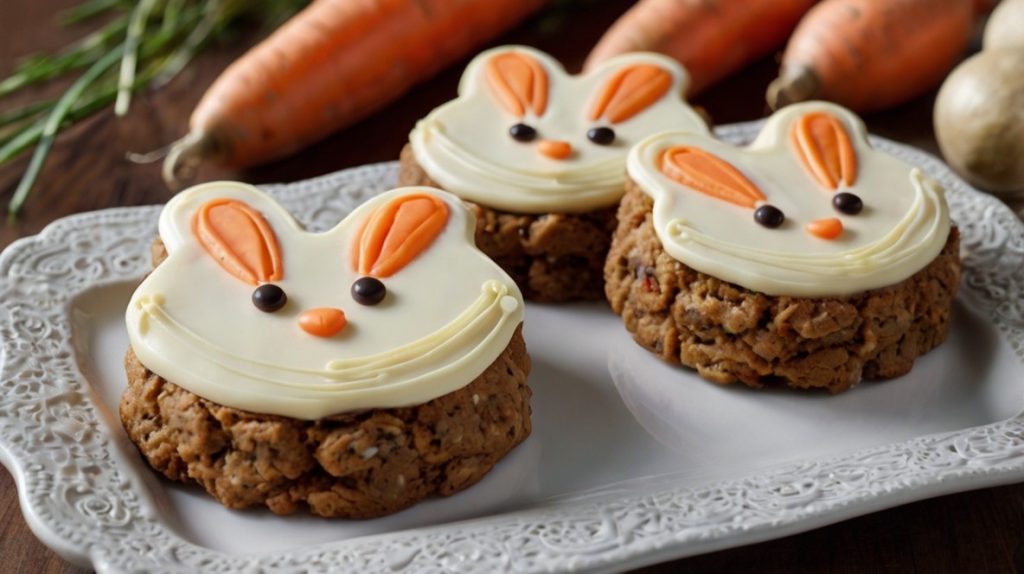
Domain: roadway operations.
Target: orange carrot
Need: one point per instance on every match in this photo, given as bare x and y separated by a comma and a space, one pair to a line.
712, 38
872, 54
330, 65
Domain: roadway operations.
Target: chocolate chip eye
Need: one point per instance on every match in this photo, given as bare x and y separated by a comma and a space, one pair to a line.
848, 203
368, 291
601, 136
769, 216
522, 133
269, 298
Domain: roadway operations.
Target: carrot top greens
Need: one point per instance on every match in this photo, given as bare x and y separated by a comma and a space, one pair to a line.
136, 45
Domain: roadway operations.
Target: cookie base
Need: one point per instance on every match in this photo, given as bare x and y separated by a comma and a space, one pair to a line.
357, 465
729, 333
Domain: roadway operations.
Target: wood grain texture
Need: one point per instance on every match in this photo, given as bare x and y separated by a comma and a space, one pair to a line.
981, 531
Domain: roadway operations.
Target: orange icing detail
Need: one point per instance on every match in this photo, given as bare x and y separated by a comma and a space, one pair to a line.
519, 82
554, 149
239, 239
322, 321
824, 148
356, 244
397, 232
825, 228
710, 175
630, 91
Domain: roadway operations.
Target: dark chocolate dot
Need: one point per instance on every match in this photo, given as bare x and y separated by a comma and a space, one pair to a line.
368, 291
769, 216
847, 203
601, 136
522, 132
269, 298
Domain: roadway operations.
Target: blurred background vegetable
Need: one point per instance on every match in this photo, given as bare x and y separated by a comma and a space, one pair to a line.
1005, 27
869, 55
332, 64
712, 38
133, 46
979, 112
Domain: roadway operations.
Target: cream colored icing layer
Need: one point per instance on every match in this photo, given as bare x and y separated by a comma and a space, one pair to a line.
447, 316
903, 226
464, 145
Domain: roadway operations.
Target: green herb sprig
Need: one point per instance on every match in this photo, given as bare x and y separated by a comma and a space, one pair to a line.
141, 44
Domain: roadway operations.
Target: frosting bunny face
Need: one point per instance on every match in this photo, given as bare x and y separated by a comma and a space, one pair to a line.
393, 307
525, 136
808, 209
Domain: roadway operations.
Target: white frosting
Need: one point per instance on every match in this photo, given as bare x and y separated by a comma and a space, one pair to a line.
447, 316
464, 145
903, 227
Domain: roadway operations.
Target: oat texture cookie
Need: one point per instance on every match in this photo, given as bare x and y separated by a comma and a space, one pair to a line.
807, 258
352, 373
540, 156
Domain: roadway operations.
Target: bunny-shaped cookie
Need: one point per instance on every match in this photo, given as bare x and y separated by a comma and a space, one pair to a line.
523, 136
808, 209
392, 307
807, 258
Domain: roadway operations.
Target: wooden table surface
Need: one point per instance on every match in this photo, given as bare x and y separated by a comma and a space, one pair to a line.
980, 531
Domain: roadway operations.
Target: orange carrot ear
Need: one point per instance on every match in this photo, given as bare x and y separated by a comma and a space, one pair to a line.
824, 148
239, 239
396, 232
710, 175
630, 91
519, 82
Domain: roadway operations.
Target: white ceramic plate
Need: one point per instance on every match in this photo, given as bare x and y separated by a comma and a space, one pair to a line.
631, 461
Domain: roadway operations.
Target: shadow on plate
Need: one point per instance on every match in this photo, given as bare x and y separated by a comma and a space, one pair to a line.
950, 388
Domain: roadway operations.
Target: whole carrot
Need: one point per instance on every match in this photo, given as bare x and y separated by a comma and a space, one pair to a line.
712, 38
330, 65
872, 54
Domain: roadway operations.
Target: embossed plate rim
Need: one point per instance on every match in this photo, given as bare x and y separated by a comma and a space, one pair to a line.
91, 513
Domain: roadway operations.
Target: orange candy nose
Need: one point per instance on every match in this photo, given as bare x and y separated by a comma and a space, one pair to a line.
554, 149
322, 321
825, 228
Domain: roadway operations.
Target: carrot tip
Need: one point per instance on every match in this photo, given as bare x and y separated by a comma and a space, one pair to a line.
794, 84
184, 157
